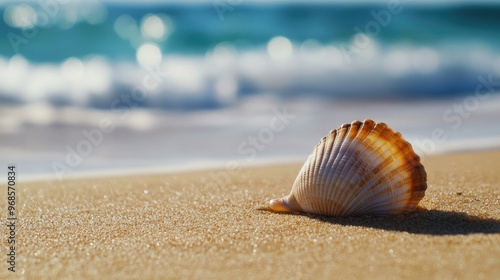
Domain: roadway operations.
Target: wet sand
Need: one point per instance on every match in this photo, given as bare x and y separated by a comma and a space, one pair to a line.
206, 225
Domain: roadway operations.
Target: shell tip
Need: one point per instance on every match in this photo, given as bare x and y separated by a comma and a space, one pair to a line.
278, 205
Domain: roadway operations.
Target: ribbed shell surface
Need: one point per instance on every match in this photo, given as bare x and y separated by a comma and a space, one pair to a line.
360, 168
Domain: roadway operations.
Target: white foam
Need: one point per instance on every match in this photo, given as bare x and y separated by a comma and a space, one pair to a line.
224, 75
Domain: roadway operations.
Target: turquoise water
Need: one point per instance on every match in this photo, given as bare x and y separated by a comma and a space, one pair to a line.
197, 29
410, 51
190, 85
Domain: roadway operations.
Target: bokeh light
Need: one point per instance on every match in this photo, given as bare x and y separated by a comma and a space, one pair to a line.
13, 74
148, 54
125, 26
94, 12
73, 68
153, 26
279, 48
20, 16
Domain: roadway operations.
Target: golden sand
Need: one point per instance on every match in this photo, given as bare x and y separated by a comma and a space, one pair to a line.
186, 226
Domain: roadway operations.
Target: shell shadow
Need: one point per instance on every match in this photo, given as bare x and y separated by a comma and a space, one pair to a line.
431, 222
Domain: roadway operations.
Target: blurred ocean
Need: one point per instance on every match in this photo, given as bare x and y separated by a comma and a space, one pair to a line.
190, 85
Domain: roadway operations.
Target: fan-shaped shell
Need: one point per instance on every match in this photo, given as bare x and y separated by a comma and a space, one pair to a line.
359, 168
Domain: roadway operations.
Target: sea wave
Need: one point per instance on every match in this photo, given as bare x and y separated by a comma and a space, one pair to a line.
224, 76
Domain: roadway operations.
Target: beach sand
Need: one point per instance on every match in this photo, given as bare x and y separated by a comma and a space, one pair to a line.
190, 225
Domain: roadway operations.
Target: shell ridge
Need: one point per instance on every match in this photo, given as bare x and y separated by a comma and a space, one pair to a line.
372, 151
329, 177
330, 157
312, 174
391, 183
322, 185
392, 157
405, 180
354, 164
348, 159
364, 200
358, 141
381, 205
369, 187
333, 189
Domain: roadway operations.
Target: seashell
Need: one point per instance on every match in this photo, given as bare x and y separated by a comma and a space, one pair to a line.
361, 168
